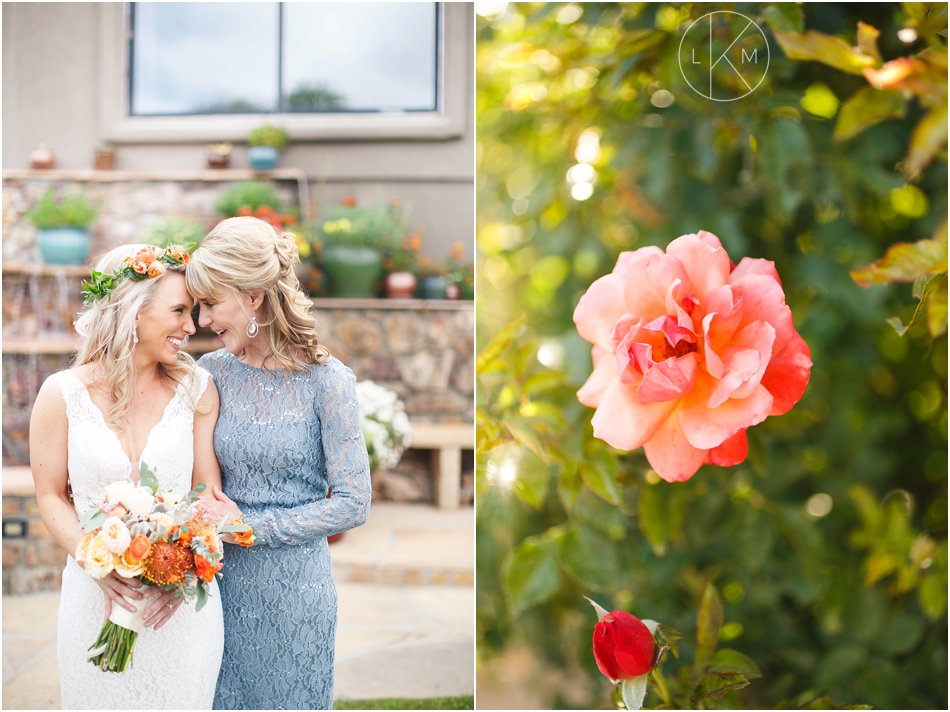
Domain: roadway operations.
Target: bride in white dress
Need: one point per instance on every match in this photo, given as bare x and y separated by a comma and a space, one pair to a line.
133, 396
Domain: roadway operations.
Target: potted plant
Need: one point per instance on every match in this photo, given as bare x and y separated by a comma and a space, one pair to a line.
400, 264
353, 239
432, 285
64, 227
459, 275
104, 157
218, 155
264, 146
246, 194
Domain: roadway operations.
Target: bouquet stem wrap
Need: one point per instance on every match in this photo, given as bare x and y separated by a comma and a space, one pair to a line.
112, 651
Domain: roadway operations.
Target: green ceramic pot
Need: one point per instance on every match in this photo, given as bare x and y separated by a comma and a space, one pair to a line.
352, 271
433, 287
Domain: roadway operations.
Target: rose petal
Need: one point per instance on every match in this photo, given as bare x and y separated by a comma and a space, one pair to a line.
707, 427
744, 362
788, 374
752, 265
600, 309
668, 379
646, 283
670, 453
704, 260
623, 422
731, 452
764, 300
603, 375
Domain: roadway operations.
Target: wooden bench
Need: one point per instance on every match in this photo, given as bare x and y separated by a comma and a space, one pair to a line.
446, 440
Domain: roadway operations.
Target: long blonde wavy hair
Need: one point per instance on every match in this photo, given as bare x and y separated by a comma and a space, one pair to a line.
249, 256
106, 328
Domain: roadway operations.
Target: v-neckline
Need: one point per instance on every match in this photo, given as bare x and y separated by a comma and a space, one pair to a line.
118, 442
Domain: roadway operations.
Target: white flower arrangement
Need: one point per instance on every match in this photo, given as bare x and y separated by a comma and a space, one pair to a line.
385, 424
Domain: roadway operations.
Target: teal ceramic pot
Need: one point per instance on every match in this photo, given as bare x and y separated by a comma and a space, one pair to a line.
263, 158
433, 287
352, 271
63, 245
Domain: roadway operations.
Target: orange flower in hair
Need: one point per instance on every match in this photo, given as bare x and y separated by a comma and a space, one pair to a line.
148, 255
155, 269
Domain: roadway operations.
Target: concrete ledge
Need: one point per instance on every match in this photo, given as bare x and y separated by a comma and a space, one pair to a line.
18, 482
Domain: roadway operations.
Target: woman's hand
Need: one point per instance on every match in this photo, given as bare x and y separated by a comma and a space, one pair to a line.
224, 509
115, 587
161, 610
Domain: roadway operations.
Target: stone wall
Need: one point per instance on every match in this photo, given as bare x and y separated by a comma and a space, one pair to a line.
35, 561
424, 352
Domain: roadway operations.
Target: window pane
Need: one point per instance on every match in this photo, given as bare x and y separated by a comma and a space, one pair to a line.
215, 58
359, 56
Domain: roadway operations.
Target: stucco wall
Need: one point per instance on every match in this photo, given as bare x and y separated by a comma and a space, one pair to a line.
52, 93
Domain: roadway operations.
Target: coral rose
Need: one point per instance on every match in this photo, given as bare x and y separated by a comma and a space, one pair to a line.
623, 646
140, 547
155, 269
147, 255
689, 352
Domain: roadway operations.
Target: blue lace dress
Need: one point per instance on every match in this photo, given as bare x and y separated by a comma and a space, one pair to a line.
282, 439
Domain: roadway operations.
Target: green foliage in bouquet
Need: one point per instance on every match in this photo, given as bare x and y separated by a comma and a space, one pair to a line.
829, 542
69, 211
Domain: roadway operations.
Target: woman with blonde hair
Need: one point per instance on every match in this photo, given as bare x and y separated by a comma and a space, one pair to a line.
133, 396
293, 462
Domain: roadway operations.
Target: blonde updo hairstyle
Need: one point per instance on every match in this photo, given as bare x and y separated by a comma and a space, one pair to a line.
106, 329
249, 256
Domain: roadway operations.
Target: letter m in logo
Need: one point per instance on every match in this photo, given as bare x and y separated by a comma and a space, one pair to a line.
752, 57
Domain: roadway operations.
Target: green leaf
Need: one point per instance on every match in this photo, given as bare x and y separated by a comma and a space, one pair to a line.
651, 518
826, 703
867, 41
715, 684
522, 432
727, 660
530, 574
600, 610
600, 475
822, 48
499, 343
669, 637
590, 558
928, 138
96, 521
202, 598
785, 16
531, 482
867, 107
148, 479
634, 690
933, 595
569, 484
708, 624
904, 262
88, 516
937, 306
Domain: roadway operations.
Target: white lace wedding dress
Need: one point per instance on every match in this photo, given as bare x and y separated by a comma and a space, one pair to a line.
175, 667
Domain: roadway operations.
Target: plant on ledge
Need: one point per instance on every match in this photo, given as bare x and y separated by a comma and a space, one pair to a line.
69, 211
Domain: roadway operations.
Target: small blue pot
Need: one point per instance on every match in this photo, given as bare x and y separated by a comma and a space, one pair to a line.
433, 287
263, 158
63, 245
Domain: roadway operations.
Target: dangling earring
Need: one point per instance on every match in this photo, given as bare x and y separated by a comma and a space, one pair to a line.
135, 335
252, 327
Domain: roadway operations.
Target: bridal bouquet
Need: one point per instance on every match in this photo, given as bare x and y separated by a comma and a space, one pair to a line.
158, 538
385, 424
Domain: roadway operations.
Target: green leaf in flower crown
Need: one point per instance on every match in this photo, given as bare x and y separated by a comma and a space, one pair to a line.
708, 624
866, 107
530, 573
147, 478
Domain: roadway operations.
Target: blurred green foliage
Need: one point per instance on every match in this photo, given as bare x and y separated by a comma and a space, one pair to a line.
829, 544
69, 211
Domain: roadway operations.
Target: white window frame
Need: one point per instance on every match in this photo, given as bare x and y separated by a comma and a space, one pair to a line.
118, 126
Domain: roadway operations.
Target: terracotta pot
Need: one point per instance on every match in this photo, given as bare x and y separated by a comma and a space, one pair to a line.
105, 158
217, 160
400, 285
452, 291
42, 157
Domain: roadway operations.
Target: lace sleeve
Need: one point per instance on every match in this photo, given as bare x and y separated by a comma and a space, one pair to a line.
338, 417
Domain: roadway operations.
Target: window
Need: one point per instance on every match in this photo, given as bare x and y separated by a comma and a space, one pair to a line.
191, 59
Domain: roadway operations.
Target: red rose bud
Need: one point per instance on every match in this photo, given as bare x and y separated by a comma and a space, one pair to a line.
623, 646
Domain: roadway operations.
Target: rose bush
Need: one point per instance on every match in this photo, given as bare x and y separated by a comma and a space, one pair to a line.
690, 350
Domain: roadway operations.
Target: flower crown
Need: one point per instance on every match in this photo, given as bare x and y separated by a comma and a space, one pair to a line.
147, 263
